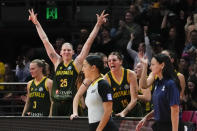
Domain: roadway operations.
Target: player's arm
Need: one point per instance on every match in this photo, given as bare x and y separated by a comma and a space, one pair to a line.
146, 95
84, 86
132, 78
54, 57
145, 82
86, 48
133, 92
182, 84
26, 107
105, 91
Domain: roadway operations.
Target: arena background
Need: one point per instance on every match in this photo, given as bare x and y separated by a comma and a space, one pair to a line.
18, 35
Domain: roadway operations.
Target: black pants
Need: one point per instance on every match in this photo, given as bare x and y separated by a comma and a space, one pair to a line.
166, 126
62, 108
111, 126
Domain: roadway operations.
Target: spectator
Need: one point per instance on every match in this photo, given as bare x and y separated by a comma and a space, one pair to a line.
190, 25
144, 50
191, 48
22, 69
9, 74
184, 65
144, 95
126, 27
58, 44
191, 102
122, 36
106, 44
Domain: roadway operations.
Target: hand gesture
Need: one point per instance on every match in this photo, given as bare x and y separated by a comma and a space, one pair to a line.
140, 124
132, 36
33, 16
102, 18
73, 116
143, 60
145, 30
121, 114
189, 20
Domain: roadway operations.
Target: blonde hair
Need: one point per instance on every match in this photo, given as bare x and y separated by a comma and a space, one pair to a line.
41, 63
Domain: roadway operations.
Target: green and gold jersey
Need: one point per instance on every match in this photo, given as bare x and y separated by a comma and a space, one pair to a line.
64, 82
39, 98
121, 91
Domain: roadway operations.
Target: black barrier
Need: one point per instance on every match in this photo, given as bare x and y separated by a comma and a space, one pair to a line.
61, 124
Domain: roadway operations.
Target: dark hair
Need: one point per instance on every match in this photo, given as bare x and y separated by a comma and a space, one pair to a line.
106, 28
173, 56
101, 54
95, 60
41, 63
168, 70
193, 79
118, 54
80, 79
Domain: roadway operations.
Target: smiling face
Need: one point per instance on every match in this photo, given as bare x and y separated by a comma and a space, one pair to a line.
35, 70
138, 70
114, 62
67, 51
128, 17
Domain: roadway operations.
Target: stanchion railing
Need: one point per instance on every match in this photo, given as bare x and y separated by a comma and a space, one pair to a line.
11, 102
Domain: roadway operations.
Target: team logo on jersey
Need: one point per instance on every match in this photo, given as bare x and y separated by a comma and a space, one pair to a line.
155, 87
70, 67
41, 89
163, 89
61, 67
109, 96
32, 89
126, 86
114, 89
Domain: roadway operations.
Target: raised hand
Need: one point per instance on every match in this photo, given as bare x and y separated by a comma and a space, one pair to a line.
102, 18
132, 36
143, 60
33, 16
189, 20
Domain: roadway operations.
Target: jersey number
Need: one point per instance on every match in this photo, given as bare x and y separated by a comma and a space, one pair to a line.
63, 83
34, 105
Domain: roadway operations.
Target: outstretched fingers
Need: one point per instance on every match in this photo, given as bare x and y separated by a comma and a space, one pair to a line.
102, 17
